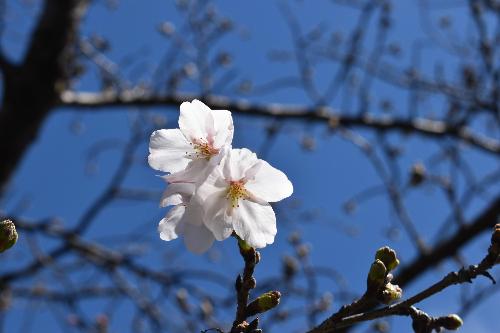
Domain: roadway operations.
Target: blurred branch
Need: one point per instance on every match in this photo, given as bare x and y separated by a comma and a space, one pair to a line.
325, 115
244, 284
41, 75
450, 246
405, 308
446, 248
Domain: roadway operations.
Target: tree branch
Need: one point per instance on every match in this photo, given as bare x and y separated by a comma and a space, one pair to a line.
244, 284
325, 115
32, 88
464, 275
445, 249
449, 247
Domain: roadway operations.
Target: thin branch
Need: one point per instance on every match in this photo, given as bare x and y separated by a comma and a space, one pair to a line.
244, 284
450, 246
425, 127
464, 275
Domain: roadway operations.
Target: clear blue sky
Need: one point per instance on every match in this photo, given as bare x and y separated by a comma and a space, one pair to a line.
54, 176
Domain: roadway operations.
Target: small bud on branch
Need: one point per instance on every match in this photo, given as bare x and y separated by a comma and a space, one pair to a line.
388, 257
264, 303
8, 235
451, 322
390, 293
376, 275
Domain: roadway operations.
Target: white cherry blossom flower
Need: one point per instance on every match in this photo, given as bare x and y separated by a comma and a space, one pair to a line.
236, 196
189, 154
198, 143
185, 218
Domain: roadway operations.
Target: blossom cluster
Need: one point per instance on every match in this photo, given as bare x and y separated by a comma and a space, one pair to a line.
214, 190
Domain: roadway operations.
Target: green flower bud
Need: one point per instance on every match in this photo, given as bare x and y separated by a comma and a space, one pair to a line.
263, 303
8, 235
377, 273
391, 293
388, 257
451, 322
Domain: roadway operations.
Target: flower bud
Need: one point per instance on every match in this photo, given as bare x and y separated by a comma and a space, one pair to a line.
417, 174
451, 322
381, 326
290, 267
167, 29
102, 322
207, 309
388, 257
303, 250
391, 293
294, 238
182, 300
264, 303
8, 235
324, 302
376, 276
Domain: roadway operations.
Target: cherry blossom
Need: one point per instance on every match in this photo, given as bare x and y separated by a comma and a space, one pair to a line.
184, 218
189, 154
236, 196
189, 151
214, 190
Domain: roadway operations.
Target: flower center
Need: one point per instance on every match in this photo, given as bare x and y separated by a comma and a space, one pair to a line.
235, 192
203, 149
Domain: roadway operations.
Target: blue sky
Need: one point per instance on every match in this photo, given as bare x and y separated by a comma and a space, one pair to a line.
55, 179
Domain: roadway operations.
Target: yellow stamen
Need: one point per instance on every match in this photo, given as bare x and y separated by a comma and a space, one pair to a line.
204, 149
235, 192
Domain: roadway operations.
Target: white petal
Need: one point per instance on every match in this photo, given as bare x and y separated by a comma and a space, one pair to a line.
255, 223
224, 129
216, 215
167, 150
170, 199
196, 121
269, 184
194, 172
194, 213
198, 238
213, 183
237, 162
171, 226
176, 194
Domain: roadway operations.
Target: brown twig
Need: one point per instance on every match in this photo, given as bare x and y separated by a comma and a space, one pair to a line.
339, 320
244, 283
328, 116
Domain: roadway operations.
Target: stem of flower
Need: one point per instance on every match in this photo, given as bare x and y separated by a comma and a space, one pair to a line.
244, 284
